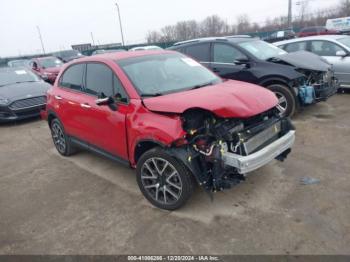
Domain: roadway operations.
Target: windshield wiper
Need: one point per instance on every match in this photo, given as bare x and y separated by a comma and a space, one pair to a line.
202, 85
151, 95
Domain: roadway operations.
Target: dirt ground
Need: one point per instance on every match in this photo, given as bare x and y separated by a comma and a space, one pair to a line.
86, 204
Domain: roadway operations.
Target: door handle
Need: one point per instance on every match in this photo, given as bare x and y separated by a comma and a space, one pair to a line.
85, 105
216, 70
58, 97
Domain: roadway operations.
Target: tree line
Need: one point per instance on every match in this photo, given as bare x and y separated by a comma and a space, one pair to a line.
217, 26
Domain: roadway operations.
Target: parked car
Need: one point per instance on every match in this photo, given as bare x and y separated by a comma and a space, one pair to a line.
68, 55
170, 118
280, 35
316, 30
22, 94
47, 67
298, 79
341, 24
334, 48
149, 47
103, 51
19, 63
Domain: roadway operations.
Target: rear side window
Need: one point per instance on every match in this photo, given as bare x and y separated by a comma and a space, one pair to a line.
226, 54
73, 77
200, 52
294, 47
99, 79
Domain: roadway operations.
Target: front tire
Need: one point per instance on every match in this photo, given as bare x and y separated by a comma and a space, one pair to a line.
163, 180
286, 100
60, 139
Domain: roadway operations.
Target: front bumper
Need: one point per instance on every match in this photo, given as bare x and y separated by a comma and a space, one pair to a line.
246, 164
8, 115
323, 92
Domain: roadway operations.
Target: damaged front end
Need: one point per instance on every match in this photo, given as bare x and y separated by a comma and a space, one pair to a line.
315, 86
220, 151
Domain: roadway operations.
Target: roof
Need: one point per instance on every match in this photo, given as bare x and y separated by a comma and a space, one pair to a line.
316, 37
122, 55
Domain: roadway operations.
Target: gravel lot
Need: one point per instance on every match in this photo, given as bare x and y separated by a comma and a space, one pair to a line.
86, 204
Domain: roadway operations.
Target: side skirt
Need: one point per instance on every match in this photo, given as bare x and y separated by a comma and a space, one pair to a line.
82, 144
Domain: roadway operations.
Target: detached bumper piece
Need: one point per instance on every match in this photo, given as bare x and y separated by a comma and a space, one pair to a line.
249, 163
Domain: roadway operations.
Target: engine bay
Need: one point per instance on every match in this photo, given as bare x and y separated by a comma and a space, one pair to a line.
209, 137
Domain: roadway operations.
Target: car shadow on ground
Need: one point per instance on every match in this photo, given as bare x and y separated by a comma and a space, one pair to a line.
20, 122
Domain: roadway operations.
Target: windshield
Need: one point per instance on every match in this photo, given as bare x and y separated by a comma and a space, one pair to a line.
166, 73
50, 62
345, 41
261, 49
8, 77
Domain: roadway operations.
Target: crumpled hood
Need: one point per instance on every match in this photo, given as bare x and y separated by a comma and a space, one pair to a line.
305, 60
228, 99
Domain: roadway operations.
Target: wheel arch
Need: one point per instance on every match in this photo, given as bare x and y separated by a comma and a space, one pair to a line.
143, 146
51, 116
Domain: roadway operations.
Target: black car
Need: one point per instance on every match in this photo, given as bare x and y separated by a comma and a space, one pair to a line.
22, 94
297, 79
68, 55
280, 35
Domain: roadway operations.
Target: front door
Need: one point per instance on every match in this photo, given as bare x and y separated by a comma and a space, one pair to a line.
106, 125
341, 64
223, 63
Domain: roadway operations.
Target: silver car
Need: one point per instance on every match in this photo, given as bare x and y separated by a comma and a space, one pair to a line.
334, 48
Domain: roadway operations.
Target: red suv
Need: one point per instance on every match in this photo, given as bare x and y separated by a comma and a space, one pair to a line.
47, 67
172, 119
316, 30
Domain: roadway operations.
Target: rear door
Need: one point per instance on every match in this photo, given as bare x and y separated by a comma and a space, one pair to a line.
199, 52
68, 100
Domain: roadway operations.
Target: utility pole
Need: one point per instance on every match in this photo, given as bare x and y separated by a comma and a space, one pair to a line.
41, 39
290, 14
120, 24
93, 40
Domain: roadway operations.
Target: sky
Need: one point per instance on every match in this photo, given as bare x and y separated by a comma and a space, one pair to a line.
66, 22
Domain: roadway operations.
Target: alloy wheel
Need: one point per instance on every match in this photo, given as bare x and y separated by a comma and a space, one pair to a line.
282, 103
58, 137
161, 180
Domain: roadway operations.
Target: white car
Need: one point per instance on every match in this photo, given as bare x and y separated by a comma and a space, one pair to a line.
334, 48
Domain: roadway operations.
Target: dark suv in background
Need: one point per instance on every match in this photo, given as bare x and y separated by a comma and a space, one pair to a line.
68, 55
297, 79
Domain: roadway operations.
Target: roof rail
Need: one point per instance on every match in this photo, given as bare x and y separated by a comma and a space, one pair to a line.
223, 38
238, 36
200, 39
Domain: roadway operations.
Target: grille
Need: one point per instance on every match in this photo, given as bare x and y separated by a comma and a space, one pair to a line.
28, 103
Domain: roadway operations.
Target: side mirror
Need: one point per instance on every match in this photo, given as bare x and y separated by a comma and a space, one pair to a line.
341, 53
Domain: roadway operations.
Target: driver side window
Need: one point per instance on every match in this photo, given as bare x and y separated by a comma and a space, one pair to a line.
325, 48
226, 54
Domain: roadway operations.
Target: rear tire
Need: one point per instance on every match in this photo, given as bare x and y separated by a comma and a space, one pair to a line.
287, 103
60, 139
164, 181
